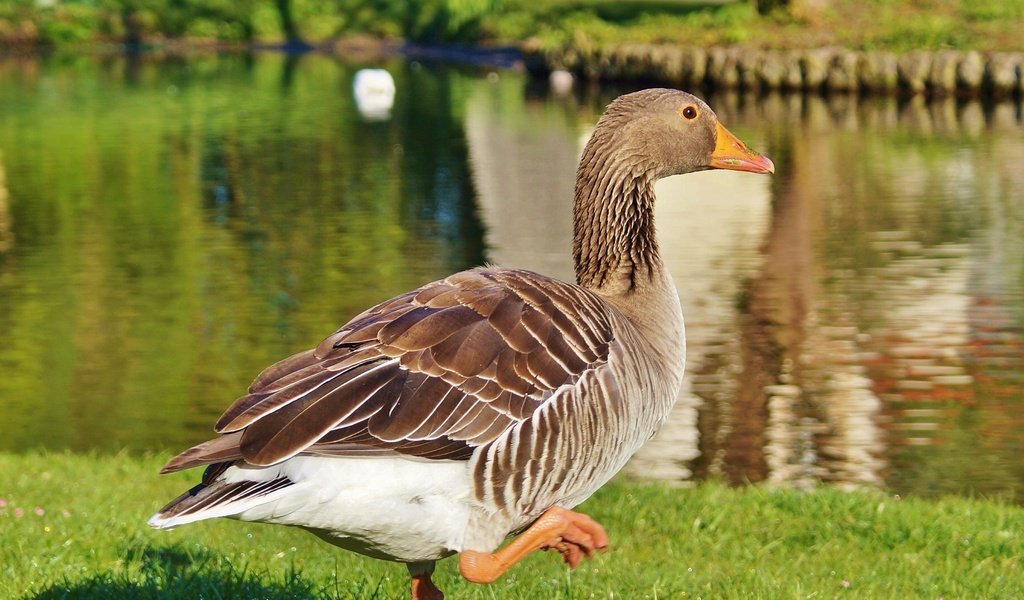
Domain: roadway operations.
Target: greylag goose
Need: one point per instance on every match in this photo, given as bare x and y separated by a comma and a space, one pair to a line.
490, 402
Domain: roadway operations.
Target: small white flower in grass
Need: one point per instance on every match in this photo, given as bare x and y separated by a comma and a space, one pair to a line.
846, 583
39, 511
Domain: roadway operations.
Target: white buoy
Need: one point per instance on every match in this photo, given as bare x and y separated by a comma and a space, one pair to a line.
374, 91
560, 82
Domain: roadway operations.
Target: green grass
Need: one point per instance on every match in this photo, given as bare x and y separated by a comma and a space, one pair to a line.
710, 541
897, 25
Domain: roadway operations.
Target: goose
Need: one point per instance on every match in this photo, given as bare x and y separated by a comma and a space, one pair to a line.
486, 404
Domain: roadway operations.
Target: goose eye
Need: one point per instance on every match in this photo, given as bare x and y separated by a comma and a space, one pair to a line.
690, 112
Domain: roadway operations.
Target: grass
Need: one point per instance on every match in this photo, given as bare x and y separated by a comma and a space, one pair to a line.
73, 526
896, 25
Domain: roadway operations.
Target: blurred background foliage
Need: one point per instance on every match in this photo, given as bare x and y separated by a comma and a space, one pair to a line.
176, 230
868, 24
63, 22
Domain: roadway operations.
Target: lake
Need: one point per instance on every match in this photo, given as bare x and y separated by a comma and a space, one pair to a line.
171, 225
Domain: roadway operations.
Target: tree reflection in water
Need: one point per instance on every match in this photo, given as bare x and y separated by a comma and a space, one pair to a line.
181, 223
858, 323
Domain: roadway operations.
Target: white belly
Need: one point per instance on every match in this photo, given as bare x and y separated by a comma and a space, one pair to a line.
394, 508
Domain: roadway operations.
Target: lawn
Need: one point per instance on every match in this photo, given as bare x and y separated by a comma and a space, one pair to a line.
73, 526
898, 25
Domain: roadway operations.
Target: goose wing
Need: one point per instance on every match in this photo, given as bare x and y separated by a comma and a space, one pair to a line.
434, 373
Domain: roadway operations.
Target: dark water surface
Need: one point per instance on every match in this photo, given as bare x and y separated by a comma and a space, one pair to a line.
171, 226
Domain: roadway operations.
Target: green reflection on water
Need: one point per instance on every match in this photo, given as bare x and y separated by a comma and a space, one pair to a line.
170, 227
178, 225
891, 296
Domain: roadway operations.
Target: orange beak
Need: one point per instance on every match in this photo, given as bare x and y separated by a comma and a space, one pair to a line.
730, 153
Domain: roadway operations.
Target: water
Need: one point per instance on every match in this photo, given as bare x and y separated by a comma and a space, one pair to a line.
170, 226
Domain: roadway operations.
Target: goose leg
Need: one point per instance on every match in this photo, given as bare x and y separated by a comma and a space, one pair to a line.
573, 534
422, 587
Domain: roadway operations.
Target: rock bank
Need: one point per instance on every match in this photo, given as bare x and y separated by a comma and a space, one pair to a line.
935, 73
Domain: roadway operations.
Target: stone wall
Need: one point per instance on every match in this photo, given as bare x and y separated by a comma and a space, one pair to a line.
932, 72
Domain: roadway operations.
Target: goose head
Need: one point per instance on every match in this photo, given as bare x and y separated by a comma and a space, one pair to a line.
666, 132
642, 137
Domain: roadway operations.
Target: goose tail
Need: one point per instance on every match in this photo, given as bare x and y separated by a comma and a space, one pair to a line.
222, 494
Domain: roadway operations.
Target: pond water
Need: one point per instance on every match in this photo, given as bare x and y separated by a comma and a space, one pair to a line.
169, 226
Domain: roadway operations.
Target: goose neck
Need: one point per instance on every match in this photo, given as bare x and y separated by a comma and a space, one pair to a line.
614, 245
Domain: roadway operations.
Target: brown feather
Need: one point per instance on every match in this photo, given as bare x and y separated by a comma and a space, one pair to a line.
290, 430
247, 409
469, 350
507, 321
434, 373
219, 449
433, 425
507, 376
425, 327
295, 362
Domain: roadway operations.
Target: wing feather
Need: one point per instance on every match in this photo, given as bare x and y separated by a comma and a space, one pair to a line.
255, 406
279, 369
289, 430
436, 373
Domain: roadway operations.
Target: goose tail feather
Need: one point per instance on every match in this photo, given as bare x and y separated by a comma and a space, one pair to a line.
216, 497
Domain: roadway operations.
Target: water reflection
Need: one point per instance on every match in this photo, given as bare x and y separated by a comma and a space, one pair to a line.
6, 227
856, 319
173, 241
835, 320
524, 155
866, 298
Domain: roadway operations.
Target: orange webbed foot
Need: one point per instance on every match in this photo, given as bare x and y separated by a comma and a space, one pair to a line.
582, 537
574, 535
